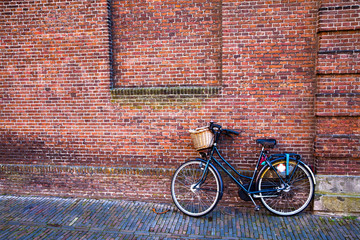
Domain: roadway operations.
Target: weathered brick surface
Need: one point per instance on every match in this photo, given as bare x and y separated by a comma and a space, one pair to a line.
339, 41
337, 99
336, 104
167, 43
342, 16
339, 27
337, 166
89, 182
338, 84
59, 60
268, 62
338, 126
333, 146
54, 82
339, 63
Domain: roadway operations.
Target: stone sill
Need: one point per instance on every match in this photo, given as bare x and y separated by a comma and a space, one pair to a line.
338, 185
337, 194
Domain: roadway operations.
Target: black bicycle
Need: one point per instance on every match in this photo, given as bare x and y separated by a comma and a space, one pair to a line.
284, 184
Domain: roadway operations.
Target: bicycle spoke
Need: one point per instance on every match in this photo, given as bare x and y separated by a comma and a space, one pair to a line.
209, 190
294, 196
189, 195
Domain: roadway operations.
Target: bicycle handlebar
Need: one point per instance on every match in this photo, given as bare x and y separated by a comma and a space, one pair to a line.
231, 131
219, 127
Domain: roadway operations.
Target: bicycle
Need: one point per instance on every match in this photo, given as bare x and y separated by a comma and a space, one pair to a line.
284, 184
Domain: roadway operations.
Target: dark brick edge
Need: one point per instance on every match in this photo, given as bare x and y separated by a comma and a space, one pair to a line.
84, 170
164, 91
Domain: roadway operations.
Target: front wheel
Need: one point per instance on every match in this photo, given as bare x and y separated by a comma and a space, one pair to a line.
192, 197
286, 189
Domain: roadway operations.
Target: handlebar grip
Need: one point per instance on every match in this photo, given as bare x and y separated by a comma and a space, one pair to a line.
231, 131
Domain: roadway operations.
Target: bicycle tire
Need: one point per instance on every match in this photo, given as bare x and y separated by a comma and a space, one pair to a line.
199, 201
292, 200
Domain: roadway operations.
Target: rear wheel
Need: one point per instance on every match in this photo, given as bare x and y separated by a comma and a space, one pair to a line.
288, 196
190, 197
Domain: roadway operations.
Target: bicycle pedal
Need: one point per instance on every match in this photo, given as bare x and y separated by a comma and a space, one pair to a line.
257, 208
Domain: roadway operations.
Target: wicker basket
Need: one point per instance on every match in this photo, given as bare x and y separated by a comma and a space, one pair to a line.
202, 138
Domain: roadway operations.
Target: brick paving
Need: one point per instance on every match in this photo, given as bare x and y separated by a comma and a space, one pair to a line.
68, 218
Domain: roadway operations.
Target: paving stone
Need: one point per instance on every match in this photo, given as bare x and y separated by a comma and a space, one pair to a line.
60, 218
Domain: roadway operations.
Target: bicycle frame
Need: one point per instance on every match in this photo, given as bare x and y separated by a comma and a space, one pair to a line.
252, 179
283, 183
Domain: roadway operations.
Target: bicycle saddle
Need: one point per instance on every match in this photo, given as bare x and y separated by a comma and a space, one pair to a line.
267, 142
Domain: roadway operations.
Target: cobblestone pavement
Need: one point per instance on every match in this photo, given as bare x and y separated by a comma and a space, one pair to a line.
68, 218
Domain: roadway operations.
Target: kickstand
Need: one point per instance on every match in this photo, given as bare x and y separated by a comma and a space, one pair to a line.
257, 207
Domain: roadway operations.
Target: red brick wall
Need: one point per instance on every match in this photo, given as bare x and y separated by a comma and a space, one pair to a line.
337, 96
268, 62
167, 43
60, 119
54, 82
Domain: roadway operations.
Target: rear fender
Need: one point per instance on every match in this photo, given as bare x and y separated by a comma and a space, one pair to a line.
292, 157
